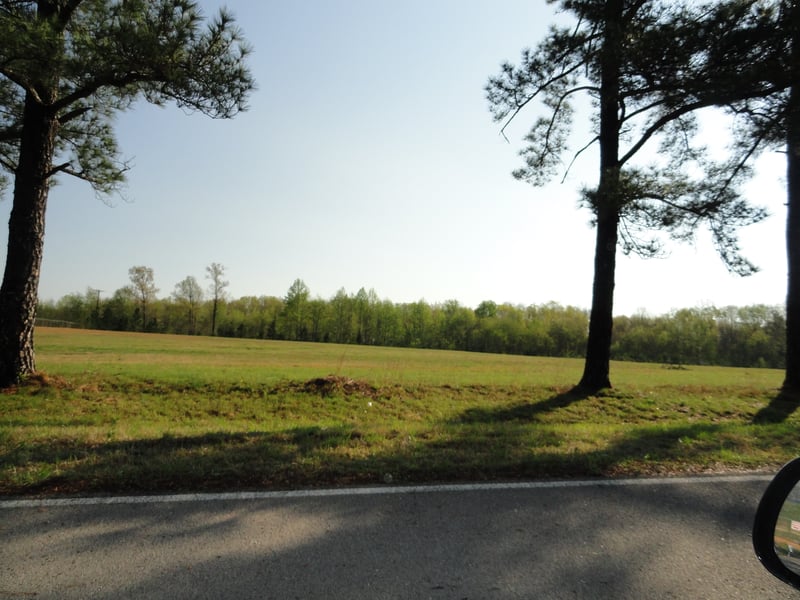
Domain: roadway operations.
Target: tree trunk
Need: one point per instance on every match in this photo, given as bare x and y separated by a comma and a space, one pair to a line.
607, 207
19, 290
598, 348
791, 383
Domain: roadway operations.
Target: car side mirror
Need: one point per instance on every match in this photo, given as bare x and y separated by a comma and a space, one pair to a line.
776, 530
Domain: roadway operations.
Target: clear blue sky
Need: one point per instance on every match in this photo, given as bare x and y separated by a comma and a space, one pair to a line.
368, 158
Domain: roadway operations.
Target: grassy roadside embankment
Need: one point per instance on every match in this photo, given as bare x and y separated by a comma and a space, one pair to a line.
121, 412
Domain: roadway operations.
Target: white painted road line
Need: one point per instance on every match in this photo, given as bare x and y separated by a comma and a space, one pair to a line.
374, 491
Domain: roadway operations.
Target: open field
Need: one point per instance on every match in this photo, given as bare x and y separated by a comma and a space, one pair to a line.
138, 412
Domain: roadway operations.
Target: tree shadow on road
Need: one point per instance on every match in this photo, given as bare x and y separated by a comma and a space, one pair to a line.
599, 542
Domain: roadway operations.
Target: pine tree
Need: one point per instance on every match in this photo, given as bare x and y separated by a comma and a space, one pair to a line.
627, 55
66, 67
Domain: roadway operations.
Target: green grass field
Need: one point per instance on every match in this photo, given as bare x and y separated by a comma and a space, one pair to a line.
114, 412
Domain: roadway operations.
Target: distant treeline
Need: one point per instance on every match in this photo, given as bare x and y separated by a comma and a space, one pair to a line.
752, 336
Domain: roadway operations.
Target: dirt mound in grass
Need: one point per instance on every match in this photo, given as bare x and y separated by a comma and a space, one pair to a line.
336, 384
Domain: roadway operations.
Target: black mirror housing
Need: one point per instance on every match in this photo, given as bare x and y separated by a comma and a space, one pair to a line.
766, 521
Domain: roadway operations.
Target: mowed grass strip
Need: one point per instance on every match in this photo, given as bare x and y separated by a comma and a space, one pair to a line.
121, 412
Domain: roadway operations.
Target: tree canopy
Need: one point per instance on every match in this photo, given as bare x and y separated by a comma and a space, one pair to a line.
86, 60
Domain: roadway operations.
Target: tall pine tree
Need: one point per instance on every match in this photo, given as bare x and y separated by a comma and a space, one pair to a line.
625, 55
66, 67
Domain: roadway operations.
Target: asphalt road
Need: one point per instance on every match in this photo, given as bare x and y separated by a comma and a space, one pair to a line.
687, 539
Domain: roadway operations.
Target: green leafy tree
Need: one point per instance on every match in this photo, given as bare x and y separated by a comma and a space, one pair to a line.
417, 319
693, 337
486, 310
624, 55
566, 329
118, 311
510, 328
189, 295
72, 308
388, 329
295, 311
317, 317
259, 314
457, 326
143, 288
364, 304
341, 318
66, 68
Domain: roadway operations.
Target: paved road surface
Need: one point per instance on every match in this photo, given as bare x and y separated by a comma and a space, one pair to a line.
685, 539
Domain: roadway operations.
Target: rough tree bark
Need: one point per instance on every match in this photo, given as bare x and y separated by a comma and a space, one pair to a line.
18, 294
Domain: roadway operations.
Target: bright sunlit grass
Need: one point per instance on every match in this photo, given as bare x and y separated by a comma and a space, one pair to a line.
131, 412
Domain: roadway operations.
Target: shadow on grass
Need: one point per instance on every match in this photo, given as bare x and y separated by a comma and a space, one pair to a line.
524, 412
336, 456
780, 408
215, 461
648, 450
478, 444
